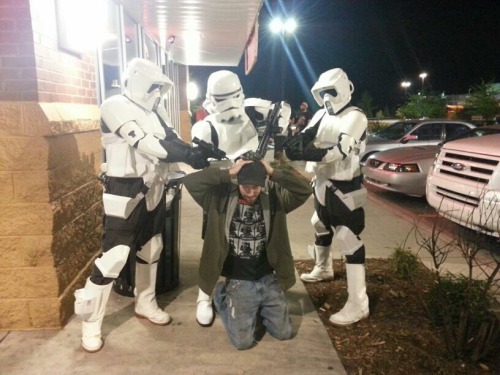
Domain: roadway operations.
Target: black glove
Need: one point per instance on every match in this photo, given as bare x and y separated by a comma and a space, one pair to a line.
196, 158
294, 147
178, 151
299, 147
314, 154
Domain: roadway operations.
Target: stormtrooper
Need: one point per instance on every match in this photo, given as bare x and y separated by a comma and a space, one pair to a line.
232, 127
140, 148
331, 145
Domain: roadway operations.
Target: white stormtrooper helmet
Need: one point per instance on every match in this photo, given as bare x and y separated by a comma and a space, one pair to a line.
333, 90
224, 95
145, 83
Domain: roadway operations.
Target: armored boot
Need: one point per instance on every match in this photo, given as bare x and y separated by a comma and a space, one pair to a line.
356, 307
204, 309
90, 305
145, 295
323, 269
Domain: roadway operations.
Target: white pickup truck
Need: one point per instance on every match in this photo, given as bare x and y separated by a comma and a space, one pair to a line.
464, 183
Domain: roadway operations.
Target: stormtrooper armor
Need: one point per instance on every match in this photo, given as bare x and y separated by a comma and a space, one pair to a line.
230, 126
227, 126
140, 146
331, 145
224, 95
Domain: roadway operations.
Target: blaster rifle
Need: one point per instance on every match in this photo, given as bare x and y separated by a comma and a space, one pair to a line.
209, 150
272, 128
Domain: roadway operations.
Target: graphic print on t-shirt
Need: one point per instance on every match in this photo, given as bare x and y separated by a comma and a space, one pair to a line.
247, 233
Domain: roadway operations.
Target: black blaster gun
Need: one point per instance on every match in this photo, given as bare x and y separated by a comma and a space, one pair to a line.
209, 150
271, 130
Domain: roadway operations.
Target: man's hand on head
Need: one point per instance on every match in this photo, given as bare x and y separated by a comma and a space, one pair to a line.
236, 167
269, 169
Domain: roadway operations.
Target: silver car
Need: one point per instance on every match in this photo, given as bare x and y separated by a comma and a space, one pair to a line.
404, 170
412, 133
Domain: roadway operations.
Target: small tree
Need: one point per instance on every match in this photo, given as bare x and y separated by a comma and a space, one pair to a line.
366, 104
462, 304
482, 101
419, 106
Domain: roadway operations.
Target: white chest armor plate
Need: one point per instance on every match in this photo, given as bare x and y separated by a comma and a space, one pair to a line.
122, 159
344, 130
235, 138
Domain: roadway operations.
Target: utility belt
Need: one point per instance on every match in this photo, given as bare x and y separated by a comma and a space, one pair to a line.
351, 194
122, 206
352, 200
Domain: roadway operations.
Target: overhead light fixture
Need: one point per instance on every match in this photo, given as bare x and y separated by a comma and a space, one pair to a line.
74, 34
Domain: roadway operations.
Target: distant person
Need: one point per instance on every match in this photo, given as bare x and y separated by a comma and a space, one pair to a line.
301, 118
331, 145
201, 113
246, 242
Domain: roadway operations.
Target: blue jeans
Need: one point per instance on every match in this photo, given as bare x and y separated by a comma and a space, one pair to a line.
239, 302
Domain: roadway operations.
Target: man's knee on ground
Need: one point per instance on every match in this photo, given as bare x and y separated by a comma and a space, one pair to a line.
284, 334
244, 344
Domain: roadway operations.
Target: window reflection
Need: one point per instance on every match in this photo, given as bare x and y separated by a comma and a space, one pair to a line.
131, 38
121, 44
150, 49
111, 52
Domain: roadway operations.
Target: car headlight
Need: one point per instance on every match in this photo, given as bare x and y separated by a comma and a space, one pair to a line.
374, 163
397, 167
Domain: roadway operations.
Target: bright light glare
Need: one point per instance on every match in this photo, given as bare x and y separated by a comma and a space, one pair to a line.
193, 42
423, 75
278, 26
290, 25
405, 84
192, 91
73, 17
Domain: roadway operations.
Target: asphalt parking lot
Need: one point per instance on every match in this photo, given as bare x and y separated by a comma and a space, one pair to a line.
417, 210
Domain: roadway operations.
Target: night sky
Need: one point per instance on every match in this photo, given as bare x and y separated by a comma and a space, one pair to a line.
379, 44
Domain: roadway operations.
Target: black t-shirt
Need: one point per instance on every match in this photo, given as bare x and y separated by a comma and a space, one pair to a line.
247, 257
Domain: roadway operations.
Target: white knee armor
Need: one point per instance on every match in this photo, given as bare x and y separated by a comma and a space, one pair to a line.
319, 227
112, 261
151, 251
347, 240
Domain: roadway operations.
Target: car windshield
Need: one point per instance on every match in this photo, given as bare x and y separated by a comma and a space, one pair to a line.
396, 130
477, 132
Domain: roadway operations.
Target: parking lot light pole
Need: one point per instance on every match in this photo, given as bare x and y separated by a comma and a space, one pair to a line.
405, 85
283, 28
423, 76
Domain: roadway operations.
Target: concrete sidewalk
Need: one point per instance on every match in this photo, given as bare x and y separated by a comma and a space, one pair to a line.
133, 346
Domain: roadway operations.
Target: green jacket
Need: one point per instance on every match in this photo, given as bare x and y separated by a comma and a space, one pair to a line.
213, 190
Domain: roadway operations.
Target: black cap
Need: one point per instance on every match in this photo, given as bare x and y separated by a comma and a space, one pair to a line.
252, 174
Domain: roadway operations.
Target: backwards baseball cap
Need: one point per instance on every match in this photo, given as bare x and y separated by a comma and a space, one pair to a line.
252, 174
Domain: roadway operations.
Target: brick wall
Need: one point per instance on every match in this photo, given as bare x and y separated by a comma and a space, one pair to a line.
50, 154
17, 55
32, 67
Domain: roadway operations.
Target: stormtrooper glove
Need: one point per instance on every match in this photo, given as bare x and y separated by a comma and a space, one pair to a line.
179, 151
